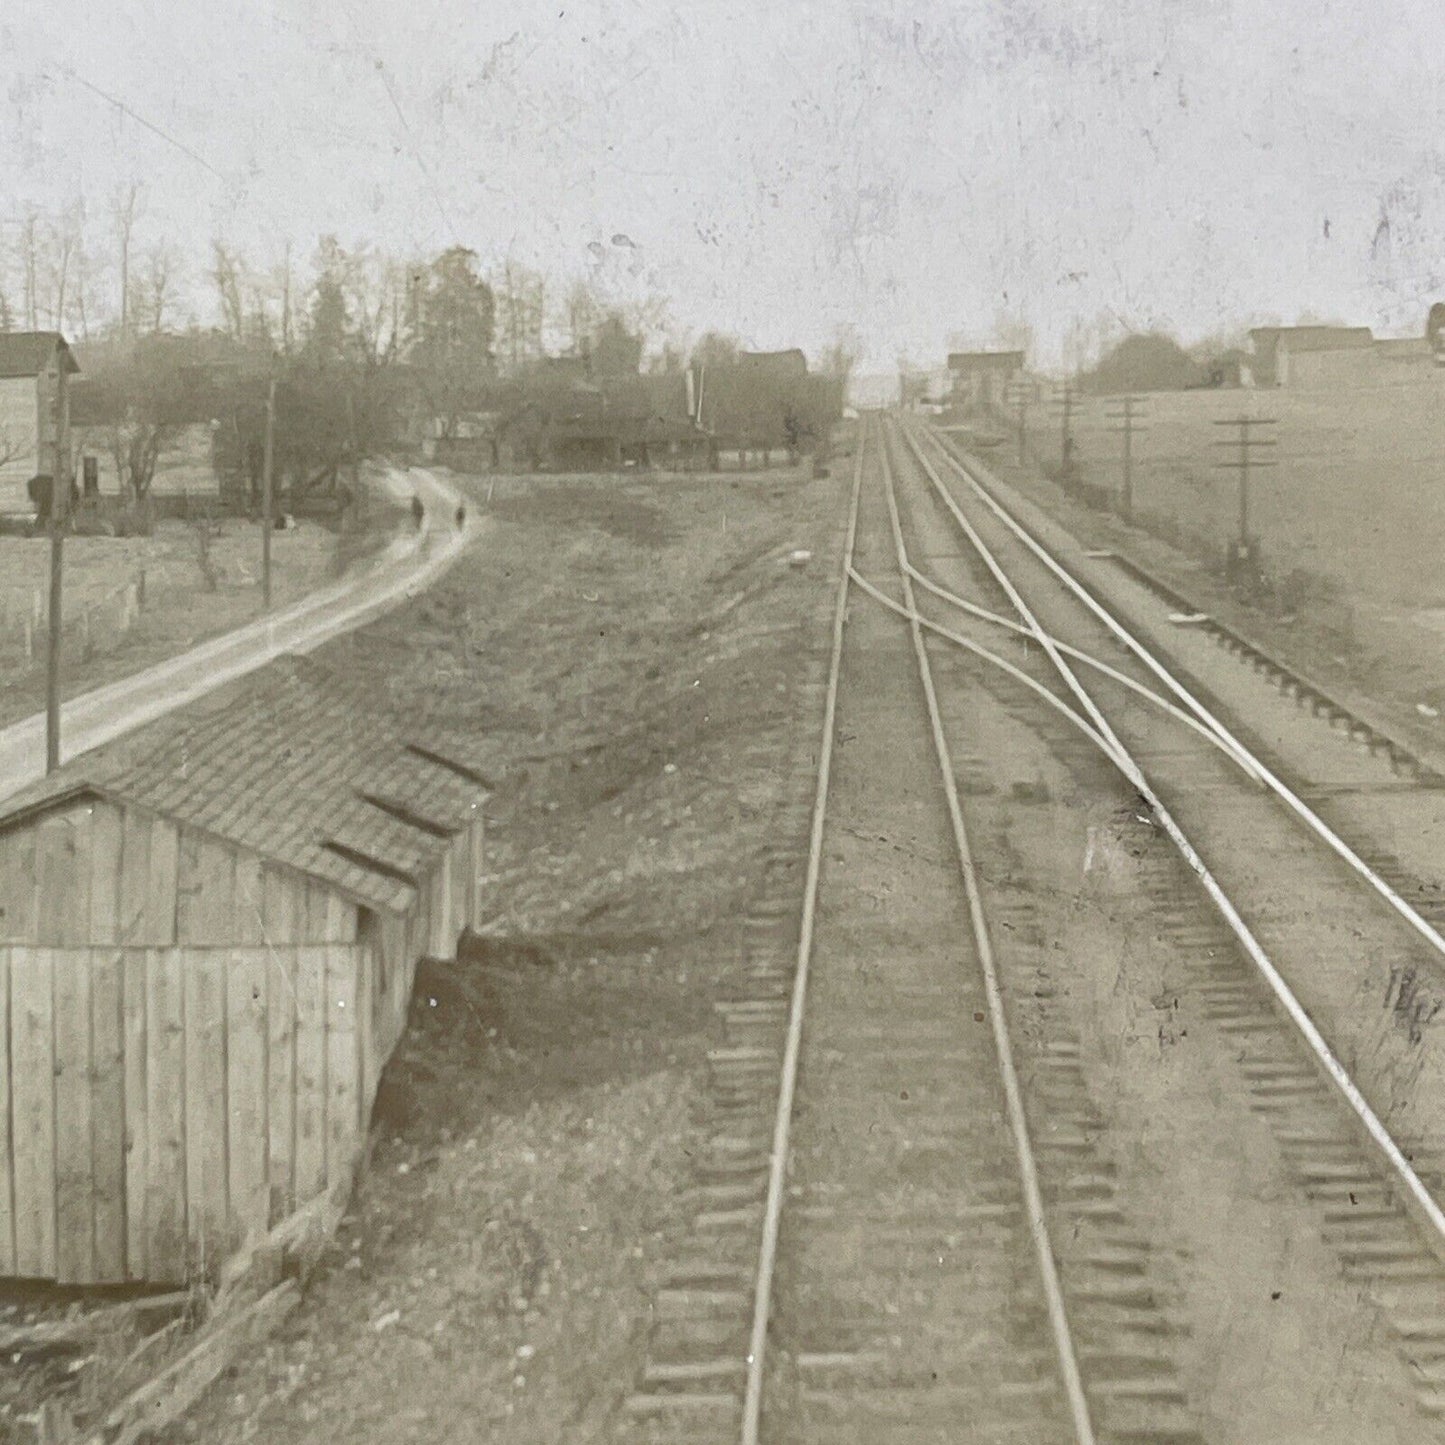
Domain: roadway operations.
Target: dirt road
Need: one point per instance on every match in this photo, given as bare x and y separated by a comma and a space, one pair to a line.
408, 565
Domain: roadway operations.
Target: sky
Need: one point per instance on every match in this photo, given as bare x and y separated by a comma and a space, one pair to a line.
932, 173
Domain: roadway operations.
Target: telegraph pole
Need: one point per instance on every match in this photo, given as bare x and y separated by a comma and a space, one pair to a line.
1066, 400
267, 483
1242, 552
1019, 391
1128, 419
59, 516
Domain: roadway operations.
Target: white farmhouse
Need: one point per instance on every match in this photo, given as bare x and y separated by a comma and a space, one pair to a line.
35, 367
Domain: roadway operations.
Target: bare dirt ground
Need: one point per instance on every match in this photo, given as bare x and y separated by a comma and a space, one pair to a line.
180, 607
632, 649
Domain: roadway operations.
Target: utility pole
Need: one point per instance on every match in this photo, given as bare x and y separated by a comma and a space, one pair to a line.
267, 483
1243, 561
59, 516
1066, 401
1128, 419
1018, 397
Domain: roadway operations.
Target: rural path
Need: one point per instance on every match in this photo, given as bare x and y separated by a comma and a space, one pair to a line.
408, 565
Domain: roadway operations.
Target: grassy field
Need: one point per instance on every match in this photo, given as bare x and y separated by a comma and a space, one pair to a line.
1356, 500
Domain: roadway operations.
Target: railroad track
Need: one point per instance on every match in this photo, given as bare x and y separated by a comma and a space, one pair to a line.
916, 1217
1303, 690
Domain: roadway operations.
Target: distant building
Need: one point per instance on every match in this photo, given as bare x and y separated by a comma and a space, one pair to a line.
763, 401
560, 420
626, 420
981, 378
1308, 356
35, 372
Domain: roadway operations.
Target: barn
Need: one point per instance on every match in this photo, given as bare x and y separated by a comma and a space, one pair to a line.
208, 938
35, 372
1312, 356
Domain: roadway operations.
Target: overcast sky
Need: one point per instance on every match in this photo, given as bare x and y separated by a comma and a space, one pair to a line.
779, 167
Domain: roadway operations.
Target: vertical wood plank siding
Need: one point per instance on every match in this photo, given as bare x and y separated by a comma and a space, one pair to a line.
191, 1037
166, 1103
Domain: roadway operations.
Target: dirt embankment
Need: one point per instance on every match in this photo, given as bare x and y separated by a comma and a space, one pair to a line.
632, 650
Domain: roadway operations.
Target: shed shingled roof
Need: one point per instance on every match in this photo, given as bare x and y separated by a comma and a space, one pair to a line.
283, 763
28, 353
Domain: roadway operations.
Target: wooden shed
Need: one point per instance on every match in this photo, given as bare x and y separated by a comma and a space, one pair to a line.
208, 938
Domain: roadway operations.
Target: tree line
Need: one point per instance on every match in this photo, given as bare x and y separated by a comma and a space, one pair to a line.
354, 339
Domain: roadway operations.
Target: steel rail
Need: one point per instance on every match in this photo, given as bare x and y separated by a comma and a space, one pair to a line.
1013, 1093
1122, 678
1281, 790
978, 650
787, 1088
1415, 1189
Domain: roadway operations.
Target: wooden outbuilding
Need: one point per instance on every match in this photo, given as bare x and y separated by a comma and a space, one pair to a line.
208, 939
35, 372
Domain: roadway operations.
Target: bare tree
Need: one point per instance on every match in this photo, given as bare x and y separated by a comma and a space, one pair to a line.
283, 283
136, 443
521, 299
84, 281
148, 395
374, 285
584, 312
156, 286
30, 265
62, 240
228, 272
125, 206
650, 320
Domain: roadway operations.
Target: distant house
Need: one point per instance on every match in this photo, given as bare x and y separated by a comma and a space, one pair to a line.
762, 401
627, 419
981, 378
208, 937
35, 372
1309, 356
